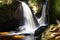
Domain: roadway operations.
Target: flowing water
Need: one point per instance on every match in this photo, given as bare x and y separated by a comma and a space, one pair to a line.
43, 18
29, 24
29, 20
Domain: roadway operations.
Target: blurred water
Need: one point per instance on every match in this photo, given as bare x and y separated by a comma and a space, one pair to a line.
29, 24
42, 20
28, 38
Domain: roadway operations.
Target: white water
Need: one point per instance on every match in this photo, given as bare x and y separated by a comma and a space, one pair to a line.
29, 21
42, 19
29, 25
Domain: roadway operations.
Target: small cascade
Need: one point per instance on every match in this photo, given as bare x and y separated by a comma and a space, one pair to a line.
29, 21
29, 26
42, 20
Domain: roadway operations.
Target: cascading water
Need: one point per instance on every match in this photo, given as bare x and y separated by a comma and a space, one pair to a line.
43, 21
29, 26
43, 18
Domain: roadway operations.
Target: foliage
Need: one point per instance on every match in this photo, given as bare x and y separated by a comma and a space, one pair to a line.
54, 10
2, 2
35, 5
52, 32
57, 9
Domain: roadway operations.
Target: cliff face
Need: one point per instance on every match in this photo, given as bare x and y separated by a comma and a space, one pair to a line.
10, 16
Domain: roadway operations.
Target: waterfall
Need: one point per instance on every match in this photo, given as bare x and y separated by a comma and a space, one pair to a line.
29, 26
43, 18
43, 21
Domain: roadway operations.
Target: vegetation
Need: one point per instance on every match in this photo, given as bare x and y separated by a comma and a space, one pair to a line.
57, 9
54, 11
52, 32
2, 2
35, 5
